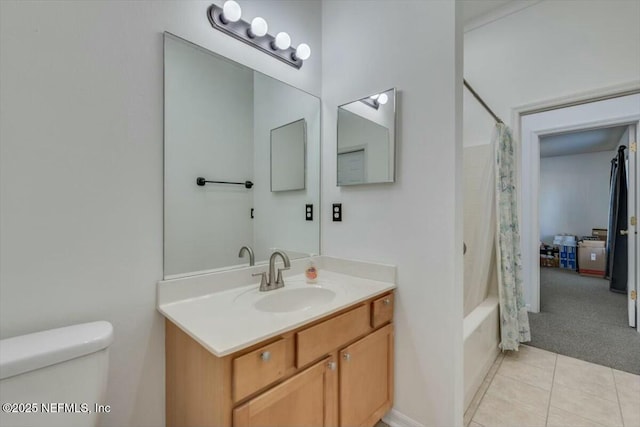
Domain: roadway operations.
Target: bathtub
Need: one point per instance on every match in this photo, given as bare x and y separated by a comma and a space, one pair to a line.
481, 339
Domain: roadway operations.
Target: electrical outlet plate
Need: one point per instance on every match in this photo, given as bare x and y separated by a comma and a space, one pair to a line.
308, 214
336, 212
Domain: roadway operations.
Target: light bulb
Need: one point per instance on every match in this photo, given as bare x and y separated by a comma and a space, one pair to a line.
303, 51
282, 41
383, 98
374, 97
231, 11
259, 27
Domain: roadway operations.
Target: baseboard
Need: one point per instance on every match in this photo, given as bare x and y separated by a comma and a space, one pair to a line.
398, 419
478, 379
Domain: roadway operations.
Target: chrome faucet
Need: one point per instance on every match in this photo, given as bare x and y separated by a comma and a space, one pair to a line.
274, 282
279, 281
252, 258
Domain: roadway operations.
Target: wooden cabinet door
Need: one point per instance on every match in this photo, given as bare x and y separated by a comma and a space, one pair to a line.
304, 400
366, 379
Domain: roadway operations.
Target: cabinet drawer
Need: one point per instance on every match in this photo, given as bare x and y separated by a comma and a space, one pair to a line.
257, 369
382, 310
316, 341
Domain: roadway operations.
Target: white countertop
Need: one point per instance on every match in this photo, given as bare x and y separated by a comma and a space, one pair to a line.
226, 321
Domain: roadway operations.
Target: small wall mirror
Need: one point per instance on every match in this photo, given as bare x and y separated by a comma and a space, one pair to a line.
366, 140
288, 153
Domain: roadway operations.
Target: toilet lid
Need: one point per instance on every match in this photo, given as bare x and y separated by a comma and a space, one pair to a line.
41, 349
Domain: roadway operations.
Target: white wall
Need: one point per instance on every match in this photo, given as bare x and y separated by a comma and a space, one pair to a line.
81, 135
206, 135
280, 216
574, 194
416, 222
551, 49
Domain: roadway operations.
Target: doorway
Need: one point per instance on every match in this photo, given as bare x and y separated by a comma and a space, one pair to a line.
575, 172
574, 314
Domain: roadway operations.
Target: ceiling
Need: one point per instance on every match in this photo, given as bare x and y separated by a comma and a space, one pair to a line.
580, 142
472, 9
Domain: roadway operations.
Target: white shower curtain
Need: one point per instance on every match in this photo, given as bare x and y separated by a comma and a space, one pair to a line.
514, 320
479, 225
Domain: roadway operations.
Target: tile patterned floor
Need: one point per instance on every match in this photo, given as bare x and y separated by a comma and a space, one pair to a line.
534, 387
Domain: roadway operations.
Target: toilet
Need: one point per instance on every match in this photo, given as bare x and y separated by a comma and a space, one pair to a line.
56, 377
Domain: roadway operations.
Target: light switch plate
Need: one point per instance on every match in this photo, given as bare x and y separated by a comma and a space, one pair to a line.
308, 214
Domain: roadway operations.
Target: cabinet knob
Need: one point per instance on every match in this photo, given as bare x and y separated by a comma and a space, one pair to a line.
346, 357
265, 355
386, 301
332, 366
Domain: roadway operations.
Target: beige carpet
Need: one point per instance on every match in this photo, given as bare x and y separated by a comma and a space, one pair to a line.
579, 317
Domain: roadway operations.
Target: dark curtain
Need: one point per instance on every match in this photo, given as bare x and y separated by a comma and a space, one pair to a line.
616, 243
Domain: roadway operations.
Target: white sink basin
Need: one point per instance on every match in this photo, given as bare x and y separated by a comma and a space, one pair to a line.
296, 299
295, 296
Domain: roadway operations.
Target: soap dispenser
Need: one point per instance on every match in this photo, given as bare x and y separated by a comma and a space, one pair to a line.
311, 273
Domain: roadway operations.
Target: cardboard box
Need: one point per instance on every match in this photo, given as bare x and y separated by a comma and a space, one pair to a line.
565, 240
568, 257
593, 243
592, 257
568, 252
569, 264
567, 244
600, 233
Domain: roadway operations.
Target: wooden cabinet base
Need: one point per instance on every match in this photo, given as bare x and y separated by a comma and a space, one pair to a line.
198, 384
314, 376
366, 378
304, 400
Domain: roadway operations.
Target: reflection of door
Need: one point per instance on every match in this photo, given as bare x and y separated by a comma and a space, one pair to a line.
632, 226
351, 167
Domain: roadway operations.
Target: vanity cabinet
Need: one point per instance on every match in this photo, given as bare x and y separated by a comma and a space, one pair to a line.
335, 371
302, 400
366, 379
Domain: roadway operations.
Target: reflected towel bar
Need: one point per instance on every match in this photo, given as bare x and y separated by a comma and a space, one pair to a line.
201, 182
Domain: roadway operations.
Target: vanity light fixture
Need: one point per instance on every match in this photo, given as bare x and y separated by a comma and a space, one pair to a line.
375, 101
258, 27
281, 42
231, 12
227, 19
371, 103
303, 51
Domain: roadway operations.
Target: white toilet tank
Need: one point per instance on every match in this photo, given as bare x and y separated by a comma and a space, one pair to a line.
56, 377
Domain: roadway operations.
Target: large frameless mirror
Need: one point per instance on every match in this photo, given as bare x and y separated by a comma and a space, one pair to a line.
366, 140
230, 134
